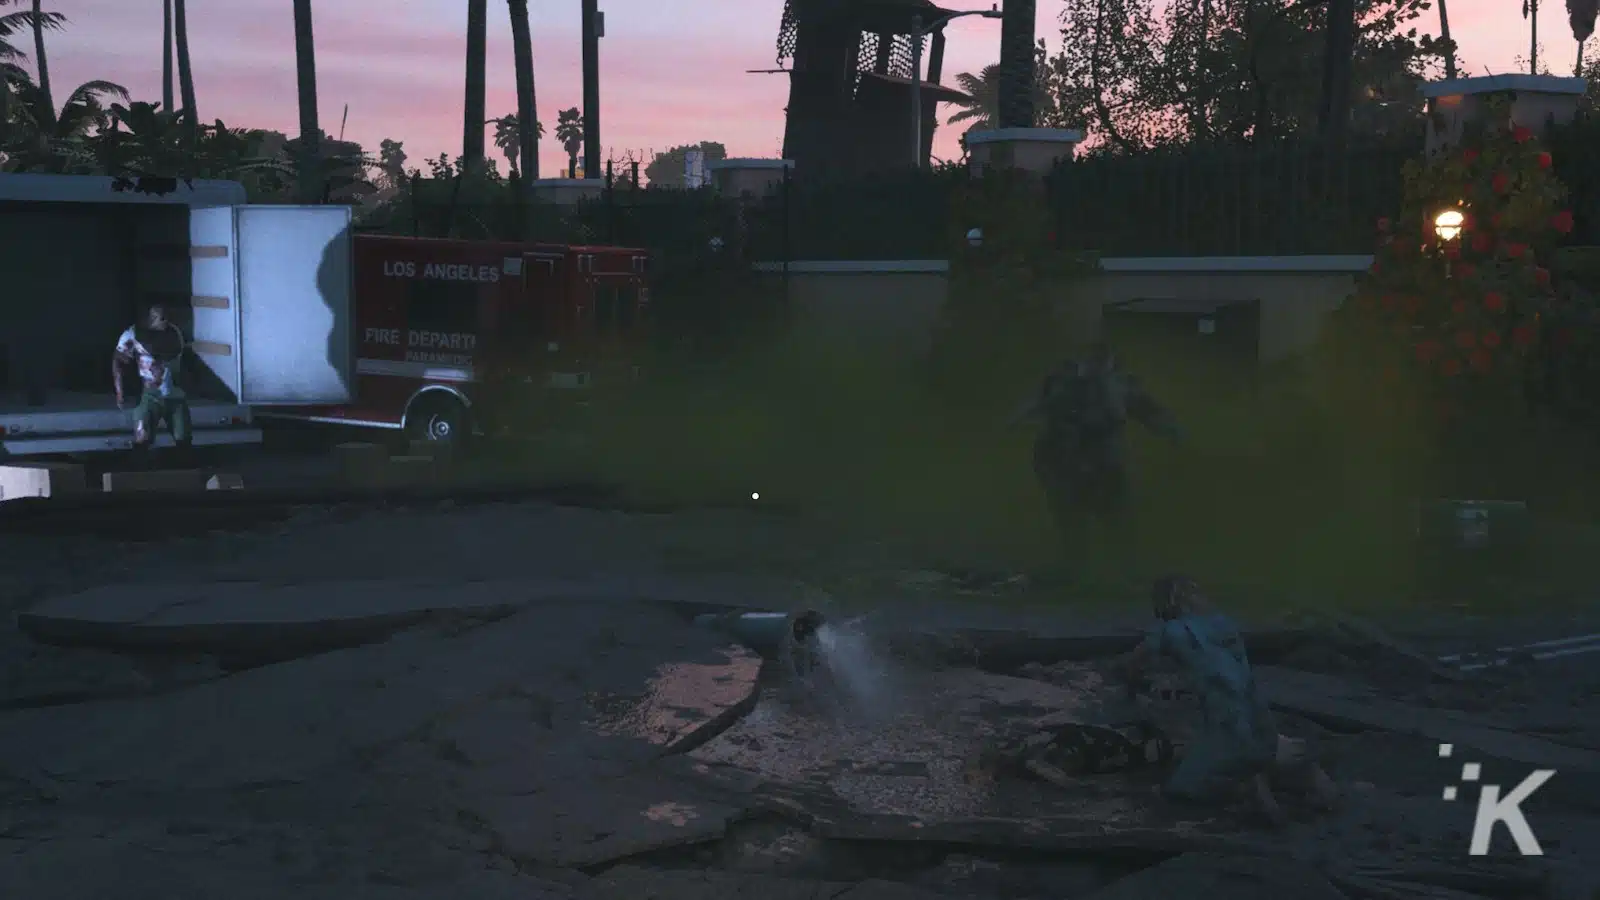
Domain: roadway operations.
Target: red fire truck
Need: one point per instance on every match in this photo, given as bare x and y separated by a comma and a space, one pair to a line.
447, 333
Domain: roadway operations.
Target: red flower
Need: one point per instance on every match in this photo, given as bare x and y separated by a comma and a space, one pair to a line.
1469, 156
1427, 351
1498, 220
1480, 360
1459, 307
1562, 222
1466, 340
1522, 134
1383, 225
1468, 222
1466, 270
1494, 302
1515, 251
1501, 182
1521, 336
1388, 301
1373, 269
1451, 367
1490, 339
1541, 276
1545, 161
1481, 243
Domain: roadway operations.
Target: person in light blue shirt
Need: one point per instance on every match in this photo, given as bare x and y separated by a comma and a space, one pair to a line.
1238, 742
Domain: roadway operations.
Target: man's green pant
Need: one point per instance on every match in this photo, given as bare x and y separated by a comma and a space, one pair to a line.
150, 412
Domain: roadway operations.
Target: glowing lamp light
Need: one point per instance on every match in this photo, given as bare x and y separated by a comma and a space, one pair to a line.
975, 237
1448, 224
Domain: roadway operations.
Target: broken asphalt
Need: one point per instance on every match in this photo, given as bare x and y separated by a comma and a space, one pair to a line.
510, 700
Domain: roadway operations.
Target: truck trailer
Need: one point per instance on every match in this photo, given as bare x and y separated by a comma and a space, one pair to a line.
262, 292
290, 314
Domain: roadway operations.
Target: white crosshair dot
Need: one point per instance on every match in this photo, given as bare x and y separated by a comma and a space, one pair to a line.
1469, 771
755, 496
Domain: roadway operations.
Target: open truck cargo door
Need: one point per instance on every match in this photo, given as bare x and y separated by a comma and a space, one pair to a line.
272, 302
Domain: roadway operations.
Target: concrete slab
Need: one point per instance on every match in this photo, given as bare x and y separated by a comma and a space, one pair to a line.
635, 883
573, 825
220, 617
159, 481
1351, 704
41, 479
285, 723
1216, 875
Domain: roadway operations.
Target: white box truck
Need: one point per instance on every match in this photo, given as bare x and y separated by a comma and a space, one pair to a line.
262, 292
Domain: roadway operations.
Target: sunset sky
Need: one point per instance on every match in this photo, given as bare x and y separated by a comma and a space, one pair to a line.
672, 71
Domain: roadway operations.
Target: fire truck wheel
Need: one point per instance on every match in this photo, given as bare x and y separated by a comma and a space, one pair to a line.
441, 419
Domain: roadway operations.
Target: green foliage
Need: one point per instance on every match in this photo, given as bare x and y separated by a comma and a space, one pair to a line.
1141, 75
1457, 315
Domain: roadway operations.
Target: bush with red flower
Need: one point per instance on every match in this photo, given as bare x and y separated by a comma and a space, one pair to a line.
1460, 282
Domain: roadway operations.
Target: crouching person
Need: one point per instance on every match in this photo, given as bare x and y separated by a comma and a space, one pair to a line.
156, 347
1238, 745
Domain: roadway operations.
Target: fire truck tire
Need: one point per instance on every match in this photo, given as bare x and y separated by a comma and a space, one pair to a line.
438, 417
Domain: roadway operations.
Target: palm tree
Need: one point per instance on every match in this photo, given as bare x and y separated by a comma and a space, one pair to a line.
180, 40
39, 60
1449, 46
11, 73
508, 137
305, 64
1017, 84
527, 105
569, 131
981, 106
54, 136
477, 84
167, 99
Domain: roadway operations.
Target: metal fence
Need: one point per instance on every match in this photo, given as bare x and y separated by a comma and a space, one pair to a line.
1215, 201
1282, 199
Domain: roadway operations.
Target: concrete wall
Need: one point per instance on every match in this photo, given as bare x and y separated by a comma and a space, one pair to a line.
894, 304
898, 302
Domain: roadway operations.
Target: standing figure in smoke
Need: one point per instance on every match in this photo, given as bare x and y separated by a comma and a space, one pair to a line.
1080, 454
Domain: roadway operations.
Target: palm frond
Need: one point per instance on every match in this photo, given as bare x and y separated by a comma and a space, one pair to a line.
13, 23
95, 91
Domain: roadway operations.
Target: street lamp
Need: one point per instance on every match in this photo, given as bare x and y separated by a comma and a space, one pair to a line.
975, 238
918, 32
1448, 224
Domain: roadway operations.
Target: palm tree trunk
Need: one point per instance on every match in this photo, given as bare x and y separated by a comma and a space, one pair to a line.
1016, 63
5, 108
305, 65
40, 61
1444, 35
572, 165
1338, 50
167, 99
180, 40
591, 88
527, 105
477, 78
